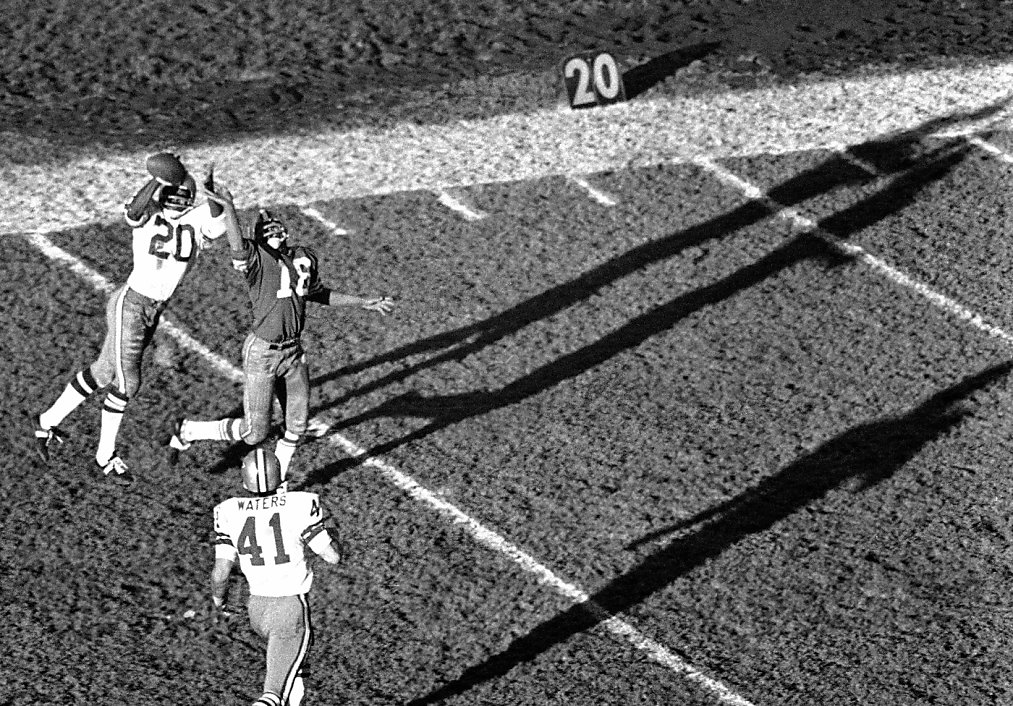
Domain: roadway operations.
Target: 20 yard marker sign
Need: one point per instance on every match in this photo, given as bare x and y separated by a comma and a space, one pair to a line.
592, 78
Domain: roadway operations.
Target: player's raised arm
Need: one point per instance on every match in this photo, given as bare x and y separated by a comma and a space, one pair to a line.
233, 230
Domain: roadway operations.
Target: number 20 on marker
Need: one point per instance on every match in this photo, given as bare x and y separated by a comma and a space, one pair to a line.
593, 78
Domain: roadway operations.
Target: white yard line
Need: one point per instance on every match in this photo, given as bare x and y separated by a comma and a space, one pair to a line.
593, 191
612, 624
807, 225
316, 215
458, 204
333, 165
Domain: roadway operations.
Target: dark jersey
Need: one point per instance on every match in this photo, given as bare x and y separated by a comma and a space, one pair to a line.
280, 285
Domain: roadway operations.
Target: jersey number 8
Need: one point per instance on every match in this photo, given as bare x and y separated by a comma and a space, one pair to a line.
302, 266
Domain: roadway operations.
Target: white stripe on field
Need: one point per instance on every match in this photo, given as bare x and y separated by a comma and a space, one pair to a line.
546, 141
457, 204
990, 148
596, 193
485, 536
891, 273
322, 219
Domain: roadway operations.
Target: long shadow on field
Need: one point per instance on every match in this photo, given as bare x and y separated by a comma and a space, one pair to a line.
446, 410
905, 155
869, 454
641, 78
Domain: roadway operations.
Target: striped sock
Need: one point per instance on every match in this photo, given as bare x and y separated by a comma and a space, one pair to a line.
80, 388
112, 415
269, 698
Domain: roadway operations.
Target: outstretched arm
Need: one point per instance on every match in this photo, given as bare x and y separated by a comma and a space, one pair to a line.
136, 211
233, 230
384, 305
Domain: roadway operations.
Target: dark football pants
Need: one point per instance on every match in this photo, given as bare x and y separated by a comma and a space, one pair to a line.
264, 368
131, 320
285, 623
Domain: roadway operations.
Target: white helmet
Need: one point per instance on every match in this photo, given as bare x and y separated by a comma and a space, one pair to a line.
261, 471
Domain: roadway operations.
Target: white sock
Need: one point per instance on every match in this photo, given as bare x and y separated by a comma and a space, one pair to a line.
285, 450
112, 415
218, 430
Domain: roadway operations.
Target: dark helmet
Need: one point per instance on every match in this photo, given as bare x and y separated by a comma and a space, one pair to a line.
269, 226
179, 198
261, 471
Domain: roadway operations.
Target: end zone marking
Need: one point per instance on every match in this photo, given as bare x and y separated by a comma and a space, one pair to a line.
610, 623
457, 204
876, 264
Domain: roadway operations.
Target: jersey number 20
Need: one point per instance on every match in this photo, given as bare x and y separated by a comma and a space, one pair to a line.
248, 544
177, 241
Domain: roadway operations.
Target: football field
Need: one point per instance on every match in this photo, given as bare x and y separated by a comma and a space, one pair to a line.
684, 401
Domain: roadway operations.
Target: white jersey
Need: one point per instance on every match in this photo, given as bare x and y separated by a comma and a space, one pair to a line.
270, 536
165, 246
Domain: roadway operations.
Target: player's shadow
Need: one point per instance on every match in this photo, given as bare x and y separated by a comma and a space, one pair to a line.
443, 411
891, 155
641, 78
865, 455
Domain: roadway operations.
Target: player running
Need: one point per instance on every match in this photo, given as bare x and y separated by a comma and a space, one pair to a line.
270, 532
281, 277
169, 231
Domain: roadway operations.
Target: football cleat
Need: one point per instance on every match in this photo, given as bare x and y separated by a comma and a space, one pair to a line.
116, 470
44, 437
175, 444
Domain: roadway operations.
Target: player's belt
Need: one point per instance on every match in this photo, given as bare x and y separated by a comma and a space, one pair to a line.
146, 299
282, 345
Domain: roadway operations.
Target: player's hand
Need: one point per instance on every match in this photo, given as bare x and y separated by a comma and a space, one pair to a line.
221, 194
384, 305
221, 614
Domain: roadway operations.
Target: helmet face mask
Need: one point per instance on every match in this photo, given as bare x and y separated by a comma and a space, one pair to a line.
261, 471
269, 229
179, 198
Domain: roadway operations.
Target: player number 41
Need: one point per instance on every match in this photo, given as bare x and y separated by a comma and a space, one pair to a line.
593, 78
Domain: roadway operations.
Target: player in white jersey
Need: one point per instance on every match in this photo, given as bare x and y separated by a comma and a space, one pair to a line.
169, 231
270, 532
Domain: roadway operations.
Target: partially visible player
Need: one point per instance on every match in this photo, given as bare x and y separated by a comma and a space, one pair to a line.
169, 231
281, 277
269, 532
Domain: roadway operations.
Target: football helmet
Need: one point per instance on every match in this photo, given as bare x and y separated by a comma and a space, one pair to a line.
261, 471
269, 226
179, 198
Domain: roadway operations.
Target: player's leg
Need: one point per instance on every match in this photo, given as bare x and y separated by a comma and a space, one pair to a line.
261, 612
82, 386
295, 380
287, 647
259, 367
133, 325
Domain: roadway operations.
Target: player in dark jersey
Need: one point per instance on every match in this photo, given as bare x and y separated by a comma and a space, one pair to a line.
282, 277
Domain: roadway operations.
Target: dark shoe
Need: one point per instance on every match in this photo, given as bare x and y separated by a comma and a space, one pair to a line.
115, 469
44, 437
